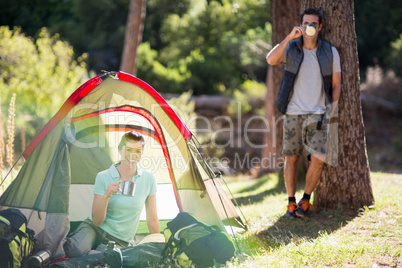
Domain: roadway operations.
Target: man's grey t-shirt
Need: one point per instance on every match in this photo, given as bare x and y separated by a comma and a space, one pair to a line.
308, 94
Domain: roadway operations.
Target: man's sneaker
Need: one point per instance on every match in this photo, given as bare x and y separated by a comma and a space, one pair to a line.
303, 207
291, 212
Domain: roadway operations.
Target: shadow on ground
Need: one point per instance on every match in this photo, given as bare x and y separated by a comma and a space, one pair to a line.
286, 230
256, 198
279, 188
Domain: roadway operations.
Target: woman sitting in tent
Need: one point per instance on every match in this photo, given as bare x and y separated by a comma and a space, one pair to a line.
115, 217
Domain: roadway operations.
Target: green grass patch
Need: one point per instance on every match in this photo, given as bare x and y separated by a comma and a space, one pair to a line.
336, 238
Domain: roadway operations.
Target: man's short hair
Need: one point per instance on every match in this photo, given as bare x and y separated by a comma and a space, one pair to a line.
311, 11
131, 135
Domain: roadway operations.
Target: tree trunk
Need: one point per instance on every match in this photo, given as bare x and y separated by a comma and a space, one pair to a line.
285, 15
345, 181
133, 36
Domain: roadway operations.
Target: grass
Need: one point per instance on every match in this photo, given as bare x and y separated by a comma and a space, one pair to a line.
339, 238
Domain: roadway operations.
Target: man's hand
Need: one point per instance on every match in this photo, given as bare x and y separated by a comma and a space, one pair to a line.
333, 116
275, 56
296, 33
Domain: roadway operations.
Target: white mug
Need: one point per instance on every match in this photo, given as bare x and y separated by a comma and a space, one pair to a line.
310, 29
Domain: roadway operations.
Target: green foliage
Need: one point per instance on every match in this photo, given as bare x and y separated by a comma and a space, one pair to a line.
157, 12
161, 78
42, 74
248, 97
214, 41
91, 26
175, 28
32, 15
210, 49
99, 28
184, 108
205, 46
394, 59
378, 23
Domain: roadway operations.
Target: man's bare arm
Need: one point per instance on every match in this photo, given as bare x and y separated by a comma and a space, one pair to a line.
275, 56
336, 91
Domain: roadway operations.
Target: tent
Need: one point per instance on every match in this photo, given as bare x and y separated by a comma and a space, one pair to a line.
54, 186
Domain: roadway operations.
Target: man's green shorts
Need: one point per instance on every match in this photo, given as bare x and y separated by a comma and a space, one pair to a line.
301, 131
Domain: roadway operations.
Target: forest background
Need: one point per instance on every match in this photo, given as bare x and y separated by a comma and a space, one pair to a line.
216, 48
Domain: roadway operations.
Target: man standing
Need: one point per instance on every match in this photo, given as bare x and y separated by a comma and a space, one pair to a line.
308, 96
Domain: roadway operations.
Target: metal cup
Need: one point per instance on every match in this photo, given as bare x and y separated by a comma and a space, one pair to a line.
310, 29
40, 259
128, 188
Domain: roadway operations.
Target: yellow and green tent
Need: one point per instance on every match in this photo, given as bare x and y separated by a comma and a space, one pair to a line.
54, 186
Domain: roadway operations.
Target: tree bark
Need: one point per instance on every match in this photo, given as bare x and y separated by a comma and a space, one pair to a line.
133, 36
345, 181
285, 15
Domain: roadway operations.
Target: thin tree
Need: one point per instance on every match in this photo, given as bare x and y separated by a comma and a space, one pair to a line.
345, 182
133, 36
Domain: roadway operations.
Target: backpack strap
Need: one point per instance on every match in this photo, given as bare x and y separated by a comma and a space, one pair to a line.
174, 238
12, 230
178, 241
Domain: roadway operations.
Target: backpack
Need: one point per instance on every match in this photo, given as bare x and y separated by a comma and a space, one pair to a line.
16, 240
190, 241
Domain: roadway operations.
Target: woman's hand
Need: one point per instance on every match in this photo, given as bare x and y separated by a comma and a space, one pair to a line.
99, 205
112, 188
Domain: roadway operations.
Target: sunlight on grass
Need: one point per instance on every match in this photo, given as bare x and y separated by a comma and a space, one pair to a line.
325, 239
